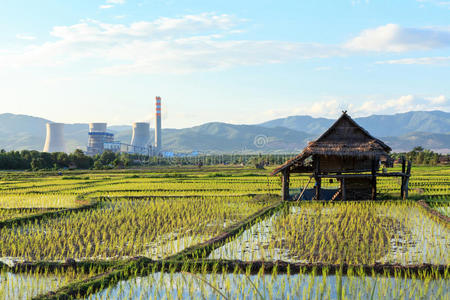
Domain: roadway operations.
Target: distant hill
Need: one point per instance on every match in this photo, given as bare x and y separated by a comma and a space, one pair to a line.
287, 135
222, 137
377, 125
26, 132
439, 142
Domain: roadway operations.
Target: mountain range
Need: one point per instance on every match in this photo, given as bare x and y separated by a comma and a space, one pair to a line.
429, 129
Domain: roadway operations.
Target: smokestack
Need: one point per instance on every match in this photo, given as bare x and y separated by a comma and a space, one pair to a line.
158, 143
54, 142
141, 134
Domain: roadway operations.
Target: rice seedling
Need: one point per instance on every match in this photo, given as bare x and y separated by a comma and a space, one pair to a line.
38, 201
351, 232
6, 214
240, 285
25, 285
154, 228
158, 214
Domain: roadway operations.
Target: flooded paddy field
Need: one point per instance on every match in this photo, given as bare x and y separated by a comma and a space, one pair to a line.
226, 215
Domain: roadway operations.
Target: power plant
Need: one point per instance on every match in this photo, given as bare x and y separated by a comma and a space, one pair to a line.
54, 141
100, 139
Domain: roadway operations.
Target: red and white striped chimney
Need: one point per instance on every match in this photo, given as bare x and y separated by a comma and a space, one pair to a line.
158, 125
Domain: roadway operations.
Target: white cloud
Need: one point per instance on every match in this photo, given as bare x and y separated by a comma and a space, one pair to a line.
402, 104
166, 45
358, 2
438, 60
440, 3
394, 38
332, 108
322, 68
329, 108
199, 42
111, 3
25, 37
441, 100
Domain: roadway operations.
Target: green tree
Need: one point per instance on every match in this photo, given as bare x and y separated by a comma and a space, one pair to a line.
98, 165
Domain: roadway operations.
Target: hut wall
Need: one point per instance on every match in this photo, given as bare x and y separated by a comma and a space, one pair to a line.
334, 164
358, 188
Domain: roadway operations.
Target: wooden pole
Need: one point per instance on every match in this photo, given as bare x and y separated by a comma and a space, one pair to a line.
408, 174
374, 179
316, 177
344, 194
304, 189
402, 187
285, 185
318, 186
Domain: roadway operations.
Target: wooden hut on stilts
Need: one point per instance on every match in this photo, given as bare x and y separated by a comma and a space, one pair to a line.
348, 153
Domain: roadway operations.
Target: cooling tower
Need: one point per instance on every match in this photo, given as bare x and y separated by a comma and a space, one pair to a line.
158, 143
97, 138
97, 127
54, 142
141, 134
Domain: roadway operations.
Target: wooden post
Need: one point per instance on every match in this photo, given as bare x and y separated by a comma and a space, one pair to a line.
285, 185
344, 193
374, 179
402, 187
408, 174
318, 186
316, 176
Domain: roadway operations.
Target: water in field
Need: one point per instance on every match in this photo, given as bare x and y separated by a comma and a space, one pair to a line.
427, 241
254, 244
414, 238
25, 286
273, 286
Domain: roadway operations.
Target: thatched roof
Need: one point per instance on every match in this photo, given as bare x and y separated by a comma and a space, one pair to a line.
344, 138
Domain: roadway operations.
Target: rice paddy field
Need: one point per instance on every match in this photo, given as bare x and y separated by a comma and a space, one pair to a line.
219, 232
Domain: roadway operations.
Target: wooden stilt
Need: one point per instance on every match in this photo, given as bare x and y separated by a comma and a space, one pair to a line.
344, 192
408, 174
402, 188
318, 186
316, 177
285, 185
374, 179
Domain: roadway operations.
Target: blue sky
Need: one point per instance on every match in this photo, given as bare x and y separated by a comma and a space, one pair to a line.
230, 61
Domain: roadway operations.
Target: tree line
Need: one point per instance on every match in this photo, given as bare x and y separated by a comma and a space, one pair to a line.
420, 156
35, 160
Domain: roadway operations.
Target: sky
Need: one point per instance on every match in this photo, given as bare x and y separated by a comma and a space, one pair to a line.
241, 62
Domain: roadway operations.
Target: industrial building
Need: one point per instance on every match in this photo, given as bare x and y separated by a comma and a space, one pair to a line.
100, 139
54, 141
98, 136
